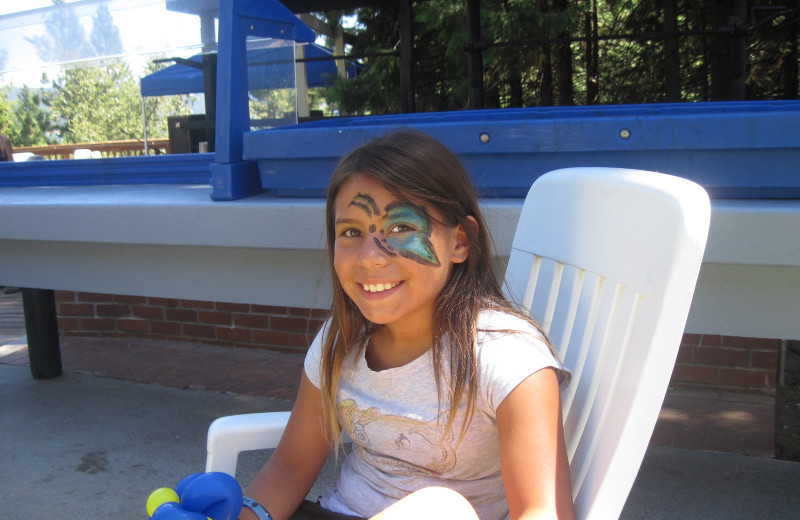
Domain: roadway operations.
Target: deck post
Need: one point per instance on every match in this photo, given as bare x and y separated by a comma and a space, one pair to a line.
41, 325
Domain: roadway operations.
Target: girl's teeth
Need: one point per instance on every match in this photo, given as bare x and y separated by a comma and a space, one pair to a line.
377, 287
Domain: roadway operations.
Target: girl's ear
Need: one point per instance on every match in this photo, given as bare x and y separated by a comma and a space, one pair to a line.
461, 249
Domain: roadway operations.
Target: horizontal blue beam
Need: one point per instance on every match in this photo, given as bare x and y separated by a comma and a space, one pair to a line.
160, 169
736, 150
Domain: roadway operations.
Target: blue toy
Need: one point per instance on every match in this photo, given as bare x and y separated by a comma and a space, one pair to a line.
198, 497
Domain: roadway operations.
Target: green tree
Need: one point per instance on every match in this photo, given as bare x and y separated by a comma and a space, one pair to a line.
376, 89
31, 119
157, 109
513, 69
92, 103
104, 103
630, 70
561, 52
5, 113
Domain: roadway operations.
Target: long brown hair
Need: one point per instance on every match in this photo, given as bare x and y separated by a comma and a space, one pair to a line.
414, 166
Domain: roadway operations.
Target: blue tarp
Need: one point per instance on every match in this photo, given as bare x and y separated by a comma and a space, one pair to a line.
270, 68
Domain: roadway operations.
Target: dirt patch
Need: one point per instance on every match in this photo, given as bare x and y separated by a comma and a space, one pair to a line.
787, 407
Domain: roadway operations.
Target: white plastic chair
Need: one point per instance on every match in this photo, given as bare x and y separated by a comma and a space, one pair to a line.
607, 260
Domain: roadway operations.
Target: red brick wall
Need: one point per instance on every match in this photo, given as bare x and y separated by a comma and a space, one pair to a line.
213, 323
705, 362
727, 363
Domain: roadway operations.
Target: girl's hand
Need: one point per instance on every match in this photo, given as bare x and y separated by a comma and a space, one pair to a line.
199, 496
175, 511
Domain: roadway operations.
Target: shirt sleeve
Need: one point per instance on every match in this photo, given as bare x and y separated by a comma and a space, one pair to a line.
508, 357
313, 362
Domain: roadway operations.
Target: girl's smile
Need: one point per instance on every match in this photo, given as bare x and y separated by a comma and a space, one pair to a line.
379, 287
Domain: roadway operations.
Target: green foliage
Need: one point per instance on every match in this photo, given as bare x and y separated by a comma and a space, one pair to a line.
104, 103
535, 53
5, 113
97, 104
376, 90
31, 121
91, 102
269, 106
441, 70
550, 52
157, 109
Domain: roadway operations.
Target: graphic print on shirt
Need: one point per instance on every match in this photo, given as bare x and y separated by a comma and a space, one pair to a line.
411, 447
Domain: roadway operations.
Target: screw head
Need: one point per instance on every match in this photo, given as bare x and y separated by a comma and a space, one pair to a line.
484, 138
625, 133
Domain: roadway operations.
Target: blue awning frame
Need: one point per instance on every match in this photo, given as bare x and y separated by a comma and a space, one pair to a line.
184, 78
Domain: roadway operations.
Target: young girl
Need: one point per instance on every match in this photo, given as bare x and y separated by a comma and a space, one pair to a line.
450, 396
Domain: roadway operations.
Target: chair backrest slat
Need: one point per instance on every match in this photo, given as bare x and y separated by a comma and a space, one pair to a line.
566, 312
578, 356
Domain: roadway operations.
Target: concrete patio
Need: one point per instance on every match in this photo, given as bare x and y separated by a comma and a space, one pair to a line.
130, 416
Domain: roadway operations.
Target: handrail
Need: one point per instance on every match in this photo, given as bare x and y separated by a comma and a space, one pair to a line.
125, 148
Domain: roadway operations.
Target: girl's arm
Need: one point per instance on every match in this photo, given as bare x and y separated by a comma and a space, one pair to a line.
533, 455
287, 477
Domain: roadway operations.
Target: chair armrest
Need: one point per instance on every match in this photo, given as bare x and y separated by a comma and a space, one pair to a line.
231, 435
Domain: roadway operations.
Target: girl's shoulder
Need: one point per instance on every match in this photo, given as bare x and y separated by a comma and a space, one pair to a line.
510, 349
496, 322
502, 335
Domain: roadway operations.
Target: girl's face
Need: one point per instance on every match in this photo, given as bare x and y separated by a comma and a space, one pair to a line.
390, 255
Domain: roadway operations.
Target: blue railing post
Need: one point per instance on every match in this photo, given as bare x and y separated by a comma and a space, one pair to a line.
231, 176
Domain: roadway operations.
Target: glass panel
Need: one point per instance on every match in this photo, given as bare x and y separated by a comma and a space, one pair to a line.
271, 82
79, 33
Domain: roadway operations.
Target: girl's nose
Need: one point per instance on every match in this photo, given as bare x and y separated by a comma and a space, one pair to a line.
373, 252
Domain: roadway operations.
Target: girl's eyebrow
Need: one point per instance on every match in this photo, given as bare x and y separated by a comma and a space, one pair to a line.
339, 221
407, 205
365, 202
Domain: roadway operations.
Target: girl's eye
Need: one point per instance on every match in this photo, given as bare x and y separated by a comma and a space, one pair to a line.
400, 228
351, 233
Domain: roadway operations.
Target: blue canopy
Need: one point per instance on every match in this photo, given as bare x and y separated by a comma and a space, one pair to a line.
269, 68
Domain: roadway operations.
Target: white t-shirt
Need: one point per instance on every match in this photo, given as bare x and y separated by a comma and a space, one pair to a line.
393, 418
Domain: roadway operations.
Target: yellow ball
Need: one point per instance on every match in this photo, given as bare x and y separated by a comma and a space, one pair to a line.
160, 497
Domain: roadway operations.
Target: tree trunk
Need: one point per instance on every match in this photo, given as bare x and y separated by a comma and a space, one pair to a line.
739, 50
564, 61
728, 60
515, 88
719, 62
546, 80
592, 59
672, 80
407, 59
475, 66
789, 68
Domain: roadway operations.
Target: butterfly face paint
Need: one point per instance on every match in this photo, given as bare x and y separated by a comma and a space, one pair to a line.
366, 203
406, 229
